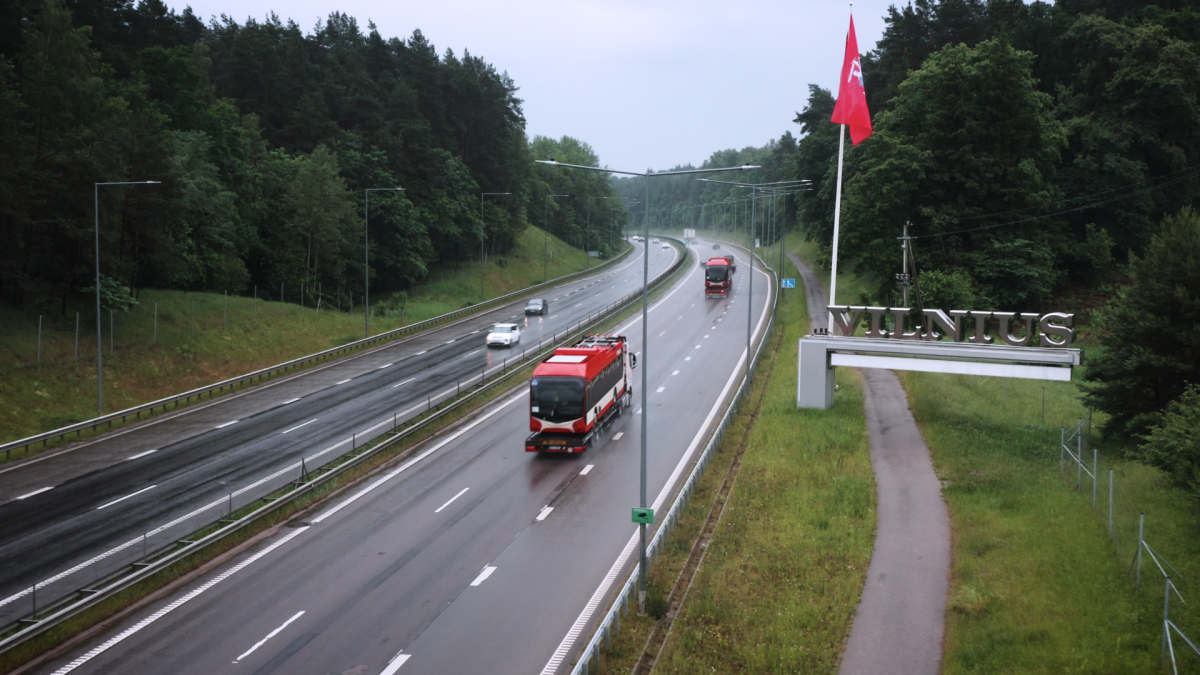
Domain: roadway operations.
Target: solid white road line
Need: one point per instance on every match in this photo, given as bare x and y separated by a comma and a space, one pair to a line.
133, 494
395, 664
35, 492
588, 468
299, 425
618, 436
439, 509
269, 636
174, 605
222, 426
545, 512
404, 382
292, 400
487, 572
343, 381
142, 454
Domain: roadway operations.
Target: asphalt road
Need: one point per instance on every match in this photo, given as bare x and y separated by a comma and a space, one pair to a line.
144, 486
470, 557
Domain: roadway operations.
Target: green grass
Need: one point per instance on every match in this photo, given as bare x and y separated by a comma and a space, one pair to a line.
1038, 585
779, 585
36, 397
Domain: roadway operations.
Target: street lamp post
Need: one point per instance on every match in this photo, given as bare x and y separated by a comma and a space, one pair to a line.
99, 323
482, 239
546, 239
367, 257
645, 339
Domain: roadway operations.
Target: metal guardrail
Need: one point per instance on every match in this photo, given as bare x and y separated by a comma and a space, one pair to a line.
81, 600
218, 387
621, 602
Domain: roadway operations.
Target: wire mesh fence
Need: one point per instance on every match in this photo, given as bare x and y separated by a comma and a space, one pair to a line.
1098, 477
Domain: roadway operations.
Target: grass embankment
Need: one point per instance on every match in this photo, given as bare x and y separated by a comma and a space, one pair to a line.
59, 391
780, 582
1038, 586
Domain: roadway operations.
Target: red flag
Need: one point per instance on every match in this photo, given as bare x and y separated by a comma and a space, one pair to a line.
851, 106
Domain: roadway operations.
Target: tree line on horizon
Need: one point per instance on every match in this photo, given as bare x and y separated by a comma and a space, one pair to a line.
263, 140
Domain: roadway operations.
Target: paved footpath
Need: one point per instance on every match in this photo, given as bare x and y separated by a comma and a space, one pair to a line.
901, 617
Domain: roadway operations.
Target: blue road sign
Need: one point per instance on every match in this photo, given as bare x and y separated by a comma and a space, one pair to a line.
787, 283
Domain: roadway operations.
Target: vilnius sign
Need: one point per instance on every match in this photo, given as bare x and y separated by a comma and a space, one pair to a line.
1053, 329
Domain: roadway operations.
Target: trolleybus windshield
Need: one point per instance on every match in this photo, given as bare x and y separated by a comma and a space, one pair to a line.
556, 398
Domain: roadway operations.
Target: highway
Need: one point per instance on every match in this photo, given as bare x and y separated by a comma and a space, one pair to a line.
73, 516
471, 556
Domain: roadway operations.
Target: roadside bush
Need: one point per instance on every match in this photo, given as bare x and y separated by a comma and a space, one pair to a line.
1174, 444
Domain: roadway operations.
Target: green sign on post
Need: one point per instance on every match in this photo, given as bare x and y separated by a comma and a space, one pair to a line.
643, 516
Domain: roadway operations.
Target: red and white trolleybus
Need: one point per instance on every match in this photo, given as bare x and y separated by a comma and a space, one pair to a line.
577, 391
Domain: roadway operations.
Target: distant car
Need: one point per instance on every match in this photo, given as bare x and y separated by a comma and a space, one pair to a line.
655, 240
716, 247
666, 245
504, 335
537, 306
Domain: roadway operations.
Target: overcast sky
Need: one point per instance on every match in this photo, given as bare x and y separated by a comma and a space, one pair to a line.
646, 84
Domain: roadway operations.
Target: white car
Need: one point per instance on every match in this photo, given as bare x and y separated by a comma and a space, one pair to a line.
504, 334
666, 245
655, 240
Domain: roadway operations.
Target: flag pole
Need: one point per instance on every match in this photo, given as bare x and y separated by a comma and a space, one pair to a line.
837, 216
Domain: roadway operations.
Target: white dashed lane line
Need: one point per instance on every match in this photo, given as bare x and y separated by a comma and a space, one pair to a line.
270, 635
142, 454
460, 493
343, 381
487, 572
618, 436
35, 492
289, 401
222, 426
404, 382
132, 494
472, 353
299, 425
395, 664
660, 390
587, 469
388, 365
545, 512
675, 373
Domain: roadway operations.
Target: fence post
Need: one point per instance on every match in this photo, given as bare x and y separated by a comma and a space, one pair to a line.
1062, 444
1095, 469
39, 355
1079, 455
1166, 610
76, 337
1110, 496
1141, 528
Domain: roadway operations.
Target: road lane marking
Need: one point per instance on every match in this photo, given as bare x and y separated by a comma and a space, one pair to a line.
472, 353
589, 467
299, 425
618, 436
675, 373
389, 365
35, 492
697, 346
222, 426
133, 494
269, 636
174, 605
545, 512
705, 337
660, 390
405, 466
687, 358
439, 509
487, 572
395, 663
452, 341
421, 352
404, 382
293, 400
141, 454
343, 381
662, 333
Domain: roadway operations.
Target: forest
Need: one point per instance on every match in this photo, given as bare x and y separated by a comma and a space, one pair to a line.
261, 142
